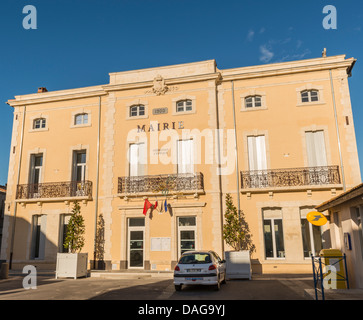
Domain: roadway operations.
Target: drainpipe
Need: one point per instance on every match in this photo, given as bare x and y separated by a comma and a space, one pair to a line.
219, 168
17, 183
236, 151
97, 180
337, 129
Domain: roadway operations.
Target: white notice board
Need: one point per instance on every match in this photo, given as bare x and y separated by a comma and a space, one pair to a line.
160, 244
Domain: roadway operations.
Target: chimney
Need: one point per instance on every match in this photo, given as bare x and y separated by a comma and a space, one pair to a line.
42, 89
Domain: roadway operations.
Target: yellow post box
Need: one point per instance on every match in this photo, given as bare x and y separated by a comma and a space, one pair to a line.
334, 273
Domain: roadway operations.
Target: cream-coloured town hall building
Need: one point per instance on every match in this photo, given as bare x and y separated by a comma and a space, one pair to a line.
278, 137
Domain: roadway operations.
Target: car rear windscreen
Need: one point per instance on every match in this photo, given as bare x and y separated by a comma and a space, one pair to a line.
194, 258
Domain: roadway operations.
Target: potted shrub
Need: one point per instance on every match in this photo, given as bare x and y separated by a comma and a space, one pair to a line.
236, 234
74, 263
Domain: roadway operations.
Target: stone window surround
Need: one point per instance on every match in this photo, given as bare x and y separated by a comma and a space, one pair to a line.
255, 133
78, 147
35, 152
81, 111
326, 139
253, 92
183, 97
35, 117
307, 87
137, 102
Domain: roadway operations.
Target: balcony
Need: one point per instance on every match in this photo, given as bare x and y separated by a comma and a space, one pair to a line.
54, 191
189, 183
286, 179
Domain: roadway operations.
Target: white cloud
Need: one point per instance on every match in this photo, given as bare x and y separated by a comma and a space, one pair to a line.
297, 56
250, 35
266, 54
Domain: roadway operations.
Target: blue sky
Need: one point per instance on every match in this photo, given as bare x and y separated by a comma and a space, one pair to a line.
77, 43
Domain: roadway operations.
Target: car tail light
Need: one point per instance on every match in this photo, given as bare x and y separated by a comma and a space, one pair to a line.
212, 267
176, 268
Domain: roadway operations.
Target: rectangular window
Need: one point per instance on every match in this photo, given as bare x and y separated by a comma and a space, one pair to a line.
38, 236
256, 153
273, 234
253, 102
137, 110
39, 123
136, 230
81, 118
316, 152
63, 231
79, 166
185, 155
186, 234
35, 175
311, 237
137, 159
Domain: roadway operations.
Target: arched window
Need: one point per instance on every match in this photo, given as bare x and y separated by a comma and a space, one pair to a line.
39, 123
253, 102
184, 105
81, 118
137, 110
309, 95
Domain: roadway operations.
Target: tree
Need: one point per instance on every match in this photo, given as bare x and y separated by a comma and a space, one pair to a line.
236, 232
75, 230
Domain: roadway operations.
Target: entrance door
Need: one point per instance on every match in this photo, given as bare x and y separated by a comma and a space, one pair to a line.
136, 229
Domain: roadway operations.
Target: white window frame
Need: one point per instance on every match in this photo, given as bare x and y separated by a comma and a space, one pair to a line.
272, 217
253, 94
183, 99
186, 228
311, 234
309, 96
135, 228
137, 108
83, 117
79, 165
253, 103
185, 104
42, 123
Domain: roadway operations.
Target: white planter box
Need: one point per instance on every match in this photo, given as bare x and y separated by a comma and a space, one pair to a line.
71, 265
238, 264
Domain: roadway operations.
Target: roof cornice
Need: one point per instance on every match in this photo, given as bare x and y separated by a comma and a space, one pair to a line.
284, 68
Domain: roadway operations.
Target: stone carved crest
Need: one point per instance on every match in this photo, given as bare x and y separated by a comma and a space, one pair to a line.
159, 87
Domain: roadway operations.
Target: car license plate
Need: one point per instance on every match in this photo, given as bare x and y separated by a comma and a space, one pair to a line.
194, 279
194, 270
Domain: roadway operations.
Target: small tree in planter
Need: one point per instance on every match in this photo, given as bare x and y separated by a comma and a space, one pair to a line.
73, 264
236, 234
232, 231
74, 241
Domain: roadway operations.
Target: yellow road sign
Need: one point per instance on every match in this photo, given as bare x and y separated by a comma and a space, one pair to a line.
316, 218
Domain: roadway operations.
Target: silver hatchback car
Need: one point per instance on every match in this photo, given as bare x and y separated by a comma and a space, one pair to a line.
201, 268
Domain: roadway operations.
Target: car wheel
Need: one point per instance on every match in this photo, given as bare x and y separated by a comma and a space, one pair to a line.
178, 287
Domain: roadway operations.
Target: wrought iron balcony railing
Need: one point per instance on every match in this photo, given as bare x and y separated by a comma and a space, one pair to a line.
310, 176
54, 190
163, 183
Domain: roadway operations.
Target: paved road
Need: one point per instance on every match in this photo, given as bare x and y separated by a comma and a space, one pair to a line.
153, 288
